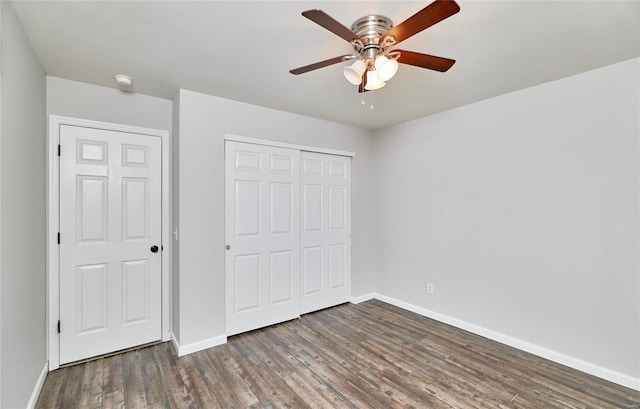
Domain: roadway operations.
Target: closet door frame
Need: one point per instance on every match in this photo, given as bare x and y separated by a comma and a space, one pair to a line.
278, 144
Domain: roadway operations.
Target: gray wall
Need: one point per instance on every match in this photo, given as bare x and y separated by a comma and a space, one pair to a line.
22, 216
522, 210
1, 35
80, 100
204, 121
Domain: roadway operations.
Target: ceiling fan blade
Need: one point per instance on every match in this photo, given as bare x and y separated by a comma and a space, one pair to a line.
428, 16
328, 22
431, 62
319, 64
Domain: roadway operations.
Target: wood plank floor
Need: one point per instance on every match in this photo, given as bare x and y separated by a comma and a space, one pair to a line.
370, 355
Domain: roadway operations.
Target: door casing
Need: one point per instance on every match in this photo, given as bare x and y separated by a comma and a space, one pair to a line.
53, 225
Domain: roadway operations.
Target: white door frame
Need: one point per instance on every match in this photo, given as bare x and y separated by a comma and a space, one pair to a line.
53, 225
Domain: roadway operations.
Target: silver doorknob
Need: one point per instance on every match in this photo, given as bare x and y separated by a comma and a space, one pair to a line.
228, 247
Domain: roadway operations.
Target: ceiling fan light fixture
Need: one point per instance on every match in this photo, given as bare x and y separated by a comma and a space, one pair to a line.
353, 73
371, 37
386, 67
373, 81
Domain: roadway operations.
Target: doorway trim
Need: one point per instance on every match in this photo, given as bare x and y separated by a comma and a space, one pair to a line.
53, 225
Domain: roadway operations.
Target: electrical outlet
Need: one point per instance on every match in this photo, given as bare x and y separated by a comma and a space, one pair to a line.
429, 288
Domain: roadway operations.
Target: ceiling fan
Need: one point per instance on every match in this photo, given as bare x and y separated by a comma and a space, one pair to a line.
372, 37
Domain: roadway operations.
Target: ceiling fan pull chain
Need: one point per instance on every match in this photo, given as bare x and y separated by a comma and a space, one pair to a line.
371, 107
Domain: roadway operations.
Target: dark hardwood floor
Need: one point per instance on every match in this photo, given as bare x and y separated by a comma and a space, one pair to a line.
371, 355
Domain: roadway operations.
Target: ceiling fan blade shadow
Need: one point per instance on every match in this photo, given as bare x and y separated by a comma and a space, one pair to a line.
319, 64
321, 18
431, 62
428, 16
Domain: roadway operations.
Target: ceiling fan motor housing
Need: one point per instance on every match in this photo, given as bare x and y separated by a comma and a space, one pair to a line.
371, 29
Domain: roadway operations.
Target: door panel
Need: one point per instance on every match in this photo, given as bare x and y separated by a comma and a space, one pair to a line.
312, 207
280, 276
337, 265
281, 209
326, 234
135, 207
92, 304
262, 210
247, 208
246, 277
110, 216
92, 208
312, 269
336, 207
135, 286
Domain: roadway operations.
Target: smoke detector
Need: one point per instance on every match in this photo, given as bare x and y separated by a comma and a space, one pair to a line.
123, 81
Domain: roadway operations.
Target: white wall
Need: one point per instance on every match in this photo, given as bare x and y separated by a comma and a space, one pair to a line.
204, 120
523, 211
22, 216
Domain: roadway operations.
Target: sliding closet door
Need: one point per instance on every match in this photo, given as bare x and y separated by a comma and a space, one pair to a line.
326, 230
263, 235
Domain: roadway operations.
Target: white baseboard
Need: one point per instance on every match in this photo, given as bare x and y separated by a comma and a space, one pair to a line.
38, 387
575, 363
182, 350
362, 298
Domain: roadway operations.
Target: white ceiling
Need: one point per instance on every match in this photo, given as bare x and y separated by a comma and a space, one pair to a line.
243, 50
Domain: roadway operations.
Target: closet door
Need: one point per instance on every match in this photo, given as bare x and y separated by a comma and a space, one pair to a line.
326, 230
263, 235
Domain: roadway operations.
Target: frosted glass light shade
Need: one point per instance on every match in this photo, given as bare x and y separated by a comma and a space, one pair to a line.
353, 73
386, 67
373, 81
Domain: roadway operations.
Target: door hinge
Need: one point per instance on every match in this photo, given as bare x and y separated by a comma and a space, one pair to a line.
59, 149
58, 326
58, 237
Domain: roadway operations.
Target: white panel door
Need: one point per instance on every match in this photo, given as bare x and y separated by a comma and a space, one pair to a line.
326, 230
262, 201
110, 219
